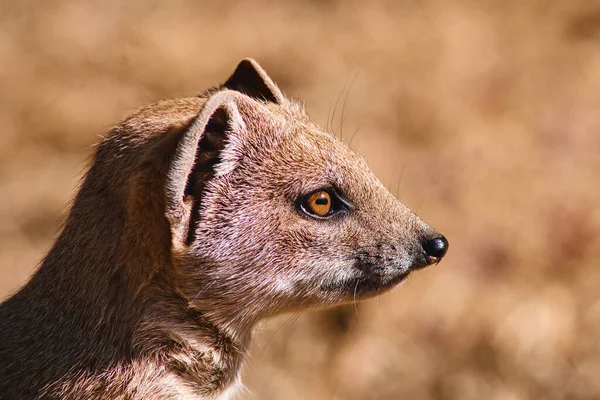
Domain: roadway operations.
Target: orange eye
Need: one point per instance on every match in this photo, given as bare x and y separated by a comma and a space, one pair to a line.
319, 203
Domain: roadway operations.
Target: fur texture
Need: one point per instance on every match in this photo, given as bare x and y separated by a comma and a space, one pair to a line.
188, 229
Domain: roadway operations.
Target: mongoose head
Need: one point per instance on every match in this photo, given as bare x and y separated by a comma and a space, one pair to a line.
270, 213
197, 218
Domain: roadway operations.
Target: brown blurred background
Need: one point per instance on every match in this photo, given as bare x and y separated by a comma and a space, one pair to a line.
484, 116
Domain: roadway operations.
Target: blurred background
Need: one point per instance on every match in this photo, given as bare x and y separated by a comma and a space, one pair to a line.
483, 116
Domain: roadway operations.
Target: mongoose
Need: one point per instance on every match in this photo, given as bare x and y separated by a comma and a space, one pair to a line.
199, 217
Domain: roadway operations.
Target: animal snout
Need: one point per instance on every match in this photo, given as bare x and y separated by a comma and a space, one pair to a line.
435, 249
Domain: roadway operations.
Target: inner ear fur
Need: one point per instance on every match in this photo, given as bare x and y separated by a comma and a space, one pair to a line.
196, 154
249, 78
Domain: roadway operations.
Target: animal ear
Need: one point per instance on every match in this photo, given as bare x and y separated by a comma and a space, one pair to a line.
196, 155
249, 78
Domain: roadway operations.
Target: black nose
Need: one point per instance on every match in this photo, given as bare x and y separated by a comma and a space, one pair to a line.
435, 249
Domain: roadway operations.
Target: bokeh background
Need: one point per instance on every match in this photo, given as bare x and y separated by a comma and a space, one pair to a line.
483, 116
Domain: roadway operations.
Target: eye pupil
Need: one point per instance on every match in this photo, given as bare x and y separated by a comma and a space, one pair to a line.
319, 203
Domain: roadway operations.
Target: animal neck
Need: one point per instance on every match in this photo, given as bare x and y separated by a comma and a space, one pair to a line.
113, 265
197, 350
132, 316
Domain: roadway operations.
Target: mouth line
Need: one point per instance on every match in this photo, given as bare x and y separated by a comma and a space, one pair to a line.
364, 285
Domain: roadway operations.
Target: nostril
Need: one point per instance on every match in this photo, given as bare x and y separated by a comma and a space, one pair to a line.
435, 249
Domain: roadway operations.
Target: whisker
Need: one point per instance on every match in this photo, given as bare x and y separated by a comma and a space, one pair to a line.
287, 324
335, 109
354, 303
391, 183
352, 137
342, 118
399, 181
418, 206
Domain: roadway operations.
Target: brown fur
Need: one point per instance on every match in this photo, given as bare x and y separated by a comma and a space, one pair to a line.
185, 233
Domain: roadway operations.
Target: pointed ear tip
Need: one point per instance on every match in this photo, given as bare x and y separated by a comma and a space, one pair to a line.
249, 63
248, 60
251, 79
